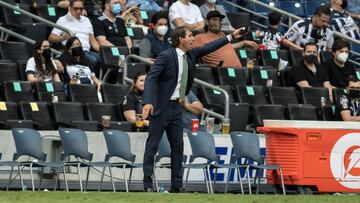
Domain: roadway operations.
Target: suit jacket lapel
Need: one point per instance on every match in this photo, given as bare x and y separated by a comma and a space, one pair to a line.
175, 57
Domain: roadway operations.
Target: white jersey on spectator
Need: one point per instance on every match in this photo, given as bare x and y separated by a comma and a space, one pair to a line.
189, 13
342, 22
302, 32
272, 38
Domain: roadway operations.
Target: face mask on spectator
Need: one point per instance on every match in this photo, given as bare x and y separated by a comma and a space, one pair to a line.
211, 1
162, 30
116, 9
342, 57
46, 53
77, 51
354, 94
311, 58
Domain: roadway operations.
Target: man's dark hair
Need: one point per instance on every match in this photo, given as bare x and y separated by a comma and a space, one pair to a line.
310, 44
159, 15
351, 78
73, 1
274, 18
176, 34
339, 44
323, 9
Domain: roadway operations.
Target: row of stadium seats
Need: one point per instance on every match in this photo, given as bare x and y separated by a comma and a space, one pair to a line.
18, 91
50, 116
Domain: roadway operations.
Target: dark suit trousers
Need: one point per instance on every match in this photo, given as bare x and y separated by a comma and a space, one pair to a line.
169, 120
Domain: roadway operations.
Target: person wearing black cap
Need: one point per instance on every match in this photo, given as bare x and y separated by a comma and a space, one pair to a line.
225, 56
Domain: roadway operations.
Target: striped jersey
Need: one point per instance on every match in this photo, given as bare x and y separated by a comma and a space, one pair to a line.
342, 22
272, 38
302, 32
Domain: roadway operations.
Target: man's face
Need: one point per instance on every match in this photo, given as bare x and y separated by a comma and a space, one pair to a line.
310, 49
187, 41
108, 6
339, 51
321, 21
77, 9
214, 24
161, 22
354, 86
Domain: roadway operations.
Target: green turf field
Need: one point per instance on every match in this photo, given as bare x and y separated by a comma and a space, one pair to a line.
96, 197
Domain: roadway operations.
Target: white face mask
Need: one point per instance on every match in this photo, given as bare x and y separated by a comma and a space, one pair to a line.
211, 1
342, 57
162, 30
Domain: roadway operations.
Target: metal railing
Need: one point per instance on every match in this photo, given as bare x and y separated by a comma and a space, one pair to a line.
23, 38
40, 19
197, 81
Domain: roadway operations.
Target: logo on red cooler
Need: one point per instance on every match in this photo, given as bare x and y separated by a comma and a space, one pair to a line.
345, 160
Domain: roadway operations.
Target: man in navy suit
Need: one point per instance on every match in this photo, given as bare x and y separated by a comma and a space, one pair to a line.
168, 81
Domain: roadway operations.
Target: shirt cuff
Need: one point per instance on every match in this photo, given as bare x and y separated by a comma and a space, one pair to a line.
229, 36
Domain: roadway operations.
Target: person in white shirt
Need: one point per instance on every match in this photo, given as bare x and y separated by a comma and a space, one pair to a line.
81, 27
185, 13
41, 67
77, 69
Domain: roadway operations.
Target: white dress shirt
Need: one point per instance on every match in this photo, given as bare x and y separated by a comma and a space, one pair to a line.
180, 55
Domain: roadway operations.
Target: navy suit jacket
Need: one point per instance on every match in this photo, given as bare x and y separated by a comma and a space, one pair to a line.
162, 78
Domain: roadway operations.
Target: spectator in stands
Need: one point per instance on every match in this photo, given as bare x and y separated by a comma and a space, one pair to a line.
130, 14
226, 55
146, 5
314, 29
132, 105
110, 28
185, 13
41, 67
210, 5
309, 73
77, 69
192, 109
338, 68
341, 20
349, 104
158, 39
272, 38
81, 27
92, 9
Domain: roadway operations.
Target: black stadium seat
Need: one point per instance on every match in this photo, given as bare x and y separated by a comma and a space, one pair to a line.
275, 112
8, 71
17, 91
83, 93
39, 113
302, 112
97, 110
233, 76
14, 51
206, 73
282, 95
44, 91
264, 77
251, 94
10, 117
313, 95
114, 93
71, 115
215, 99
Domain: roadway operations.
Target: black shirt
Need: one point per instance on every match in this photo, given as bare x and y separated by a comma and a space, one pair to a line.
114, 32
338, 76
133, 101
301, 72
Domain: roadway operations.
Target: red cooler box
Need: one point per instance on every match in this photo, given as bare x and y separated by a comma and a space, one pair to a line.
320, 154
